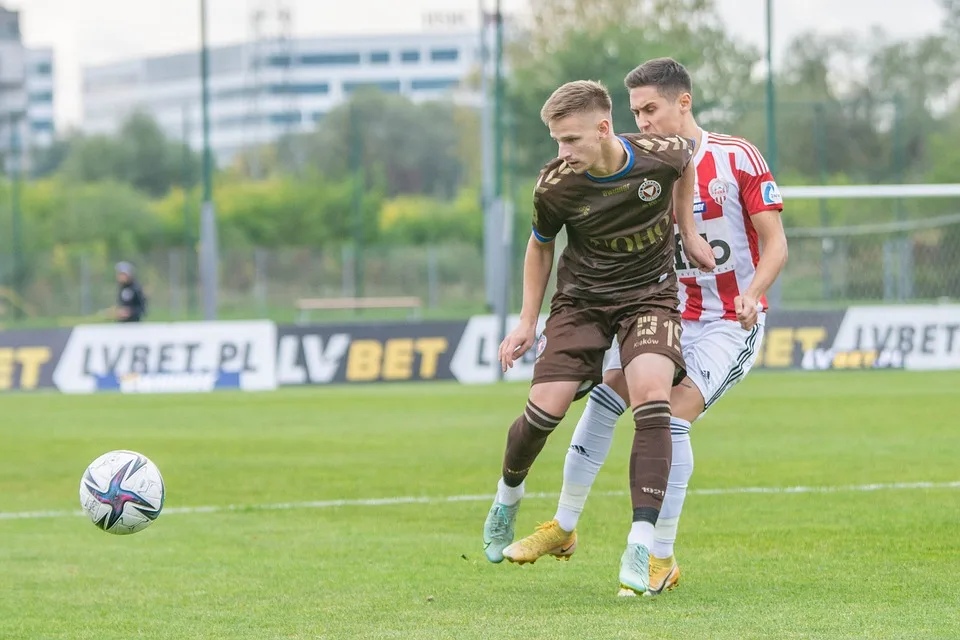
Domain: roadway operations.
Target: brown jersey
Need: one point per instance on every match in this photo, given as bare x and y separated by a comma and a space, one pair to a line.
620, 245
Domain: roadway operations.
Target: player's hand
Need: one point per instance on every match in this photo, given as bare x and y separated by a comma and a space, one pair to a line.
747, 309
700, 252
517, 343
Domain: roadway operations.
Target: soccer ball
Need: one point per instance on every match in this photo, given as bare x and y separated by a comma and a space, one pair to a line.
122, 492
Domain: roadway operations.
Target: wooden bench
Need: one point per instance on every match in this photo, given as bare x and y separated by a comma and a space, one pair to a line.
306, 305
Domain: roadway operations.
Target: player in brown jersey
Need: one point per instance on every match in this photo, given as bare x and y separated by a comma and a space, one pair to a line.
616, 196
721, 330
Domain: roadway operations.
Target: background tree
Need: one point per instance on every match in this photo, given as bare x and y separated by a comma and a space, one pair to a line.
140, 155
603, 40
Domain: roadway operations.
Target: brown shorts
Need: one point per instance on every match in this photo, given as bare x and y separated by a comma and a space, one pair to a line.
578, 334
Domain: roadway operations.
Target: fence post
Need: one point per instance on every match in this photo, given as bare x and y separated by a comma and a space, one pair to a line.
173, 275
85, 306
905, 288
889, 270
433, 278
260, 280
820, 144
775, 294
348, 286
903, 245
842, 248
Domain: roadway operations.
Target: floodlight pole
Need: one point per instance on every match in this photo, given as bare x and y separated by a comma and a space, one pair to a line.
209, 259
771, 108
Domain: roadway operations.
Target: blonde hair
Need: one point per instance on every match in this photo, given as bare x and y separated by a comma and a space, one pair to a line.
575, 97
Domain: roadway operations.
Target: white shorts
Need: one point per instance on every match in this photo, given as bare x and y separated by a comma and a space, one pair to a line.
718, 354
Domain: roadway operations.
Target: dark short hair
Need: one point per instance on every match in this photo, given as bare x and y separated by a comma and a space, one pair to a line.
666, 74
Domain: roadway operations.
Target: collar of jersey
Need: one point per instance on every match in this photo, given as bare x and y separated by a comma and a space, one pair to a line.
702, 151
619, 174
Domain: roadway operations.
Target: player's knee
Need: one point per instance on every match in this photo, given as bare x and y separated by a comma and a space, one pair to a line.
644, 393
649, 377
615, 379
686, 400
553, 397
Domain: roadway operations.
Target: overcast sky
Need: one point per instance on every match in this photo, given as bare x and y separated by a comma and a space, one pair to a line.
85, 32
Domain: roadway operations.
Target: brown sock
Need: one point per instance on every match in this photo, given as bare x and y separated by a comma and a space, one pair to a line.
650, 459
525, 440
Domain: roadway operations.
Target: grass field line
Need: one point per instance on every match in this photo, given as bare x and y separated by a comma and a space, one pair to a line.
401, 500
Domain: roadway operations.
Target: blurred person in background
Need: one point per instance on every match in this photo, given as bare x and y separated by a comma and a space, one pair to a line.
131, 301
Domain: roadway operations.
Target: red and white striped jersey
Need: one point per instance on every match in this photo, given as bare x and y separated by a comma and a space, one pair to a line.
733, 183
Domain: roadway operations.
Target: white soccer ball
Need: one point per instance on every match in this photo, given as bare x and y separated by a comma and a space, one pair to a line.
122, 492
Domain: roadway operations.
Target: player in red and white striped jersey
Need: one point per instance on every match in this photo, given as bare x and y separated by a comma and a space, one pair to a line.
737, 210
734, 186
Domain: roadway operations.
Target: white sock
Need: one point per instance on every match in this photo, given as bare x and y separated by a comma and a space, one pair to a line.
681, 469
588, 449
641, 532
509, 496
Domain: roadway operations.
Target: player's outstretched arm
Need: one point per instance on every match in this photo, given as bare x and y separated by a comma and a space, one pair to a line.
537, 264
696, 248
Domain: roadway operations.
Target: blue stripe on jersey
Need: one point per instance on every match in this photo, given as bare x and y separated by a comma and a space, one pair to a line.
622, 172
540, 237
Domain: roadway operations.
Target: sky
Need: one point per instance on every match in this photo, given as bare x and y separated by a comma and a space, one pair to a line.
93, 32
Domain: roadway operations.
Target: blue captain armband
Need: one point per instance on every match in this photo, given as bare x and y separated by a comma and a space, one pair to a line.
539, 237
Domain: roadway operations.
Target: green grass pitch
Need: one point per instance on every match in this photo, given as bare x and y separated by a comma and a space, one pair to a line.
855, 562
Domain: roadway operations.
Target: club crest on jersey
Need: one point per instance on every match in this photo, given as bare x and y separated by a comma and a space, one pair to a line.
649, 190
718, 190
541, 345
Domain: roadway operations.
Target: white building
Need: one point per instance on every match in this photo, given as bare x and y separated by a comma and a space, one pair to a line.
260, 91
26, 88
39, 87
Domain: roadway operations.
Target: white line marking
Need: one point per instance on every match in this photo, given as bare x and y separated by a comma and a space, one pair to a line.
381, 502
